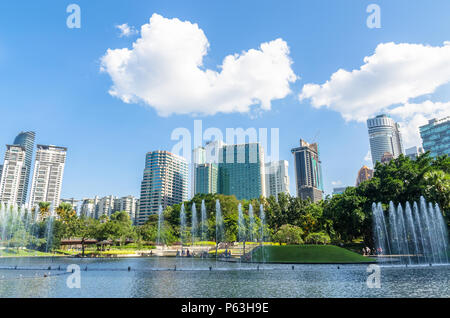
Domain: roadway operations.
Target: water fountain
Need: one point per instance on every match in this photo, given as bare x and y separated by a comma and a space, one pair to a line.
251, 227
193, 223
262, 217
182, 224
219, 225
160, 224
204, 226
411, 235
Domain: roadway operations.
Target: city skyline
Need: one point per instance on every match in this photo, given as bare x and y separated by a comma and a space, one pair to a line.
95, 125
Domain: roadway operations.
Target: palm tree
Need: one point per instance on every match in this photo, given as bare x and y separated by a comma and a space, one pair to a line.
44, 208
65, 211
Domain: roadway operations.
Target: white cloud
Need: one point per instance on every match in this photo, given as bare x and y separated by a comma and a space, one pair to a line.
126, 30
412, 116
164, 69
393, 75
336, 183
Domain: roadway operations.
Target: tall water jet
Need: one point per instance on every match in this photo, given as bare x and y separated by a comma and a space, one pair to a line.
160, 224
193, 223
251, 218
415, 234
262, 217
49, 228
241, 225
421, 243
380, 230
219, 225
204, 226
182, 224
443, 232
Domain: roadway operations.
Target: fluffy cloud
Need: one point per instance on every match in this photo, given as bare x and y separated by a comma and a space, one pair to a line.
393, 75
164, 69
412, 116
126, 30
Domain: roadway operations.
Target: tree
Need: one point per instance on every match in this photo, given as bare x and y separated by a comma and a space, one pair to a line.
44, 208
289, 234
65, 211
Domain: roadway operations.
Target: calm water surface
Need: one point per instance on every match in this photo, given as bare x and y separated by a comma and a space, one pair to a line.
156, 277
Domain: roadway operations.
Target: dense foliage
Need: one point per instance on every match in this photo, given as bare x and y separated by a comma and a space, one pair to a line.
342, 218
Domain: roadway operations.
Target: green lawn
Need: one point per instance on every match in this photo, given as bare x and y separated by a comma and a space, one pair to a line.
307, 254
12, 252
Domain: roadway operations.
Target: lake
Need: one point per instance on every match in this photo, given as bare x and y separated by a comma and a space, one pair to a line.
157, 277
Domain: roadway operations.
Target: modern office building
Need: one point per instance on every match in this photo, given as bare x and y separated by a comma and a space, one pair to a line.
48, 174
308, 171
206, 178
384, 137
277, 178
1, 170
198, 158
339, 190
26, 140
414, 152
364, 174
242, 171
436, 136
12, 182
205, 163
165, 183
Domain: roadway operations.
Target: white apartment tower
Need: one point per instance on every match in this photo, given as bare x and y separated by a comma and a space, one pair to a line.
277, 178
48, 174
12, 181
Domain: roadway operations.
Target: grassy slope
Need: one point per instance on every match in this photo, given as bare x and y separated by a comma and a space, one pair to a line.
308, 254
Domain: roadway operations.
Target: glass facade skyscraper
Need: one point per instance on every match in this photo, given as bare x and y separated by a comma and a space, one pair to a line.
308, 171
436, 136
384, 137
165, 183
242, 171
206, 178
26, 140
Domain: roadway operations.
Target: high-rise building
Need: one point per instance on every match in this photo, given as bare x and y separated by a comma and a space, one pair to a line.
48, 174
436, 136
414, 152
206, 178
364, 174
308, 171
26, 140
339, 190
12, 183
165, 183
241, 171
1, 171
88, 207
105, 206
127, 204
277, 178
384, 137
198, 158
72, 201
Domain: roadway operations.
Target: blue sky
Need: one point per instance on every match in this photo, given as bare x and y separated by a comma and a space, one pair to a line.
50, 79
